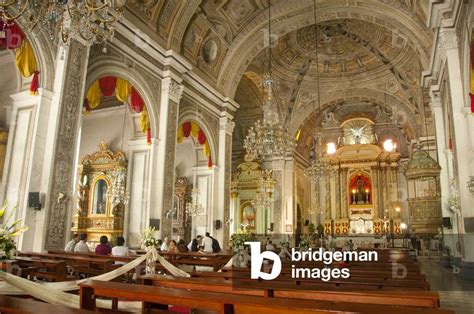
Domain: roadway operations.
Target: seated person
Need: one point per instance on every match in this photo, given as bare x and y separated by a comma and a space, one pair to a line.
173, 247
165, 245
120, 249
104, 247
182, 248
71, 244
269, 246
193, 246
81, 246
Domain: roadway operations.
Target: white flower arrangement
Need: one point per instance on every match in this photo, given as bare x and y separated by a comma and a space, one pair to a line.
148, 238
8, 232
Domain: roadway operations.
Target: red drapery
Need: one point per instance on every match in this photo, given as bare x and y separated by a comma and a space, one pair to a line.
13, 35
107, 85
136, 101
13, 39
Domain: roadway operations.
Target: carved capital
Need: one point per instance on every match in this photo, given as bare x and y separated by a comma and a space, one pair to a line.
226, 124
172, 89
435, 100
447, 39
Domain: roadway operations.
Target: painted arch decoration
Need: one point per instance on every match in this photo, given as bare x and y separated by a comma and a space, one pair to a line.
108, 86
193, 129
14, 39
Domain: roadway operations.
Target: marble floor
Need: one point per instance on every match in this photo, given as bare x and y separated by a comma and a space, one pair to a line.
455, 293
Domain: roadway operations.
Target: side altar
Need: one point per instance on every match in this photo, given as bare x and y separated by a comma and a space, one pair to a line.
101, 196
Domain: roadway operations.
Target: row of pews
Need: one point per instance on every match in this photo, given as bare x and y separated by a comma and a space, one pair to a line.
372, 287
61, 266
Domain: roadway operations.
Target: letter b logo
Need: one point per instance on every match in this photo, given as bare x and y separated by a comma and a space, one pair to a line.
257, 261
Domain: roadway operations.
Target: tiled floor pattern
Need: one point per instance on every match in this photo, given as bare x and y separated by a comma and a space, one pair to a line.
455, 293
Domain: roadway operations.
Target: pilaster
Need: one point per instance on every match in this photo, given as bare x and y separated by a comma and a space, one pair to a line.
171, 92
226, 127
69, 92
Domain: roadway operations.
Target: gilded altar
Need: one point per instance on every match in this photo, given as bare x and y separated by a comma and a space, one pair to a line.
363, 181
101, 196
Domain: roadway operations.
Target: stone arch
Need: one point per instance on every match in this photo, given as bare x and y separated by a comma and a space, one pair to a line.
249, 42
45, 53
189, 115
116, 68
305, 111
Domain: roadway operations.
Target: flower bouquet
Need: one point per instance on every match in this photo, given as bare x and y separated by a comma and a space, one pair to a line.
239, 238
8, 232
150, 243
305, 243
148, 238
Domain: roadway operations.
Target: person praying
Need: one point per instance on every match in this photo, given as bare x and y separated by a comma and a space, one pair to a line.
81, 246
71, 244
104, 247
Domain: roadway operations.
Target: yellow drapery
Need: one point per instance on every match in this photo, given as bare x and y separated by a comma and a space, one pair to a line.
180, 135
25, 59
93, 95
194, 129
144, 121
123, 89
207, 149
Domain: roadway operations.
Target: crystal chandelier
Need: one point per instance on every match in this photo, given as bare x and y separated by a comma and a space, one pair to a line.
318, 167
194, 208
265, 186
268, 138
92, 21
119, 193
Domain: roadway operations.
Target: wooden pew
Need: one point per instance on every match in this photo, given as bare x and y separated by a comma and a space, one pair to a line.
213, 260
50, 269
80, 264
334, 284
227, 303
11, 305
272, 289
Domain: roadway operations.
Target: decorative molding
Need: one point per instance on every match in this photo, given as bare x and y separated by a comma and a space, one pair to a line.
65, 145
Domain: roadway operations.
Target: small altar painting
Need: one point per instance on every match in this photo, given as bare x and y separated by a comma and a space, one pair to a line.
360, 190
248, 216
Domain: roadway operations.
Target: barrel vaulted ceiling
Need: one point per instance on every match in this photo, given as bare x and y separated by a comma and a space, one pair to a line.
369, 51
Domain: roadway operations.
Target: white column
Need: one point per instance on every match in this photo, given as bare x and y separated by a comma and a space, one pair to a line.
222, 210
171, 92
137, 213
462, 143
23, 168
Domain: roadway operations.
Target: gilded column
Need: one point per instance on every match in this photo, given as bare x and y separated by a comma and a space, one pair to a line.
327, 199
375, 191
344, 191
337, 180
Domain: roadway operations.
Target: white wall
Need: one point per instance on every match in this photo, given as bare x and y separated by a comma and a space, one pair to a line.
107, 125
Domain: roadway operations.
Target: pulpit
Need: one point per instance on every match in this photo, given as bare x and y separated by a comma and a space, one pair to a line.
101, 196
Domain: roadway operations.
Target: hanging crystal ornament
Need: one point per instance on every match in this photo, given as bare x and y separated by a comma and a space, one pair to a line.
92, 21
318, 167
268, 139
265, 187
194, 208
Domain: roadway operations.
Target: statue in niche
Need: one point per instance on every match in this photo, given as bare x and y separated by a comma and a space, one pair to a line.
100, 198
248, 217
360, 190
